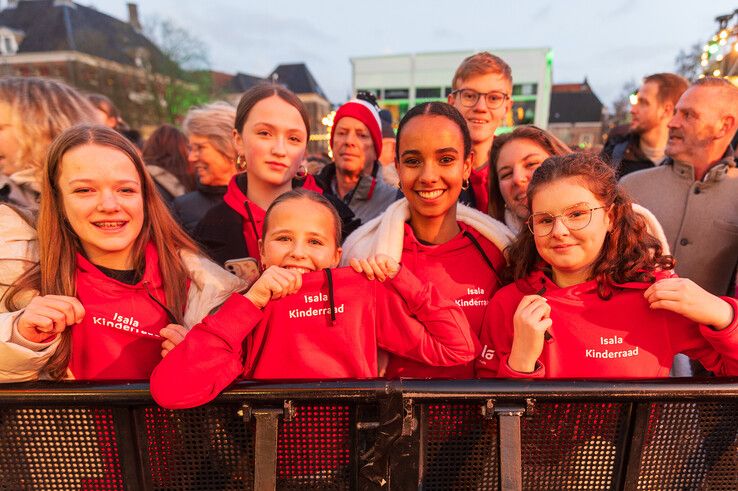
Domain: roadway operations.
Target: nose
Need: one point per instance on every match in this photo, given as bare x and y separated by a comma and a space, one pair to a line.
521, 176
674, 121
108, 202
279, 147
559, 229
298, 249
428, 173
481, 105
193, 155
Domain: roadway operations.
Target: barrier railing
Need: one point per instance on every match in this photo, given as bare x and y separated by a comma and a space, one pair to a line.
433, 435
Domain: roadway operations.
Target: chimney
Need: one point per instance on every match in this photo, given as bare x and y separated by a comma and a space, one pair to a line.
133, 16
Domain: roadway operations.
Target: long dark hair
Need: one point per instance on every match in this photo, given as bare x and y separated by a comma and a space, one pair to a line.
167, 148
629, 252
58, 244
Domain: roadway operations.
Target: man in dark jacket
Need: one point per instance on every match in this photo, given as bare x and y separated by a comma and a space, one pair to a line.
643, 146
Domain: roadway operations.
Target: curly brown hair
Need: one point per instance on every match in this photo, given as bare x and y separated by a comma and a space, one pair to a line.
629, 253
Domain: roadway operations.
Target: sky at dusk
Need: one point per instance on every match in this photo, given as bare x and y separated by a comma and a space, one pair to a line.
609, 42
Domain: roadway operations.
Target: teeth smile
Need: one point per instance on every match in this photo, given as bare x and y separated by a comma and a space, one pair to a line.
430, 194
109, 224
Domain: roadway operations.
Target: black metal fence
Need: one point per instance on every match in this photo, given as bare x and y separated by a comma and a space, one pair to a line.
432, 435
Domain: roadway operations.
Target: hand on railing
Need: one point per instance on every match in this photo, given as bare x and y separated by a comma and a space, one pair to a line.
687, 298
531, 320
47, 316
173, 334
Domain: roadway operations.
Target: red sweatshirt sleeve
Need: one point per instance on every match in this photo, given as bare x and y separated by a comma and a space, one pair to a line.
415, 321
208, 359
716, 350
496, 338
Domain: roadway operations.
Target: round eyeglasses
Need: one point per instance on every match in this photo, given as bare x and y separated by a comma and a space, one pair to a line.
574, 218
469, 98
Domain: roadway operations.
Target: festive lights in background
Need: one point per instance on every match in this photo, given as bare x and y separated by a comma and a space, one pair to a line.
720, 54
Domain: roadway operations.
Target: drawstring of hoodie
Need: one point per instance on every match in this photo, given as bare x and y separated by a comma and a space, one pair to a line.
170, 315
331, 298
251, 220
486, 258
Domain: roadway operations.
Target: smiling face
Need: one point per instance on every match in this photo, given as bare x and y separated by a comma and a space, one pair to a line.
272, 142
103, 203
353, 148
9, 144
571, 253
516, 162
300, 236
482, 121
693, 129
432, 170
212, 167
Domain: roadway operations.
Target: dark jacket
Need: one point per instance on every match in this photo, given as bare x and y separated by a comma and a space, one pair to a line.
624, 154
191, 207
223, 230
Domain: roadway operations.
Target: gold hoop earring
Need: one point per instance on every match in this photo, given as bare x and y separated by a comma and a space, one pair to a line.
241, 162
465, 184
302, 172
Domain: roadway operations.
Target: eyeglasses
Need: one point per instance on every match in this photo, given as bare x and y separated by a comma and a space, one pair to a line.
469, 98
574, 218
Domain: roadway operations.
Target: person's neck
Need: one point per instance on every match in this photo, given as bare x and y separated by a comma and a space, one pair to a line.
656, 137
116, 260
346, 181
481, 152
566, 279
435, 230
262, 194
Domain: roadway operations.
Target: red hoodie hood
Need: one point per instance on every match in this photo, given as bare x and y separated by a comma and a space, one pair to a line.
538, 280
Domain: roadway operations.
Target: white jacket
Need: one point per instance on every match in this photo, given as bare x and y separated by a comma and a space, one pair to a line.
22, 360
385, 234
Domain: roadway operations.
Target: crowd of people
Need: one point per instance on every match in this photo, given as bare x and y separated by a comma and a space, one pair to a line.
222, 251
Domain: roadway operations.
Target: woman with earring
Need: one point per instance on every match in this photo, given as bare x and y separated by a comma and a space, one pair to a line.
270, 134
453, 247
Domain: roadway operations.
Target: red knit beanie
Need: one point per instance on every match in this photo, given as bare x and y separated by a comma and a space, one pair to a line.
367, 114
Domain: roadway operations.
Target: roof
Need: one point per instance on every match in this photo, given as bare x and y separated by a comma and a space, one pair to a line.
73, 27
242, 82
574, 103
297, 78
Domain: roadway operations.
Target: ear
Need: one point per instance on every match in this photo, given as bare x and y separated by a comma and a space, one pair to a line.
337, 257
668, 109
238, 141
261, 252
610, 216
726, 127
451, 99
469, 164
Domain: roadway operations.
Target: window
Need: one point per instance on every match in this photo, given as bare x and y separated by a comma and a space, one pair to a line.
428, 92
396, 93
525, 89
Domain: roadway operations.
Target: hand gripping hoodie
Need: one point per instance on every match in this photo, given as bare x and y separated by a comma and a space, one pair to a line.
330, 329
593, 338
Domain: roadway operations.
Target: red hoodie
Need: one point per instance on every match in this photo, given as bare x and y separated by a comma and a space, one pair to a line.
296, 338
479, 180
119, 335
253, 215
461, 273
594, 338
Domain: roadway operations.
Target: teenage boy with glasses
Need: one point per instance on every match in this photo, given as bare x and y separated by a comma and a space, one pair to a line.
482, 92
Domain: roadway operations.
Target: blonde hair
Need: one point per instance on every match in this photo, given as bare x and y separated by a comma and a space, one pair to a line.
215, 121
41, 110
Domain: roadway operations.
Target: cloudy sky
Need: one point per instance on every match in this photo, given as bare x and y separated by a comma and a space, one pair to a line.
609, 42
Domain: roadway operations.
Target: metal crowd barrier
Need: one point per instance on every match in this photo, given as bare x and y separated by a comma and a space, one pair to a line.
669, 434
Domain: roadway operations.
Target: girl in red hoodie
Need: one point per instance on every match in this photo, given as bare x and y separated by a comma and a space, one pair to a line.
303, 320
271, 133
593, 295
116, 281
451, 246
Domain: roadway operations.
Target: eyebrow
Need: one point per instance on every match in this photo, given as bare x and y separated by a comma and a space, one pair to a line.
119, 181
447, 149
564, 208
269, 125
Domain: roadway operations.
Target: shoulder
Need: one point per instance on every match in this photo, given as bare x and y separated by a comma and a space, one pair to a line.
645, 177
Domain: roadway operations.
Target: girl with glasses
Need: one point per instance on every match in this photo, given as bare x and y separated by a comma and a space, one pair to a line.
594, 295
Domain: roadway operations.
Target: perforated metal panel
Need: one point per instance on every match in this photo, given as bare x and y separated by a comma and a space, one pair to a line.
315, 449
59, 449
460, 448
203, 449
571, 445
691, 446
